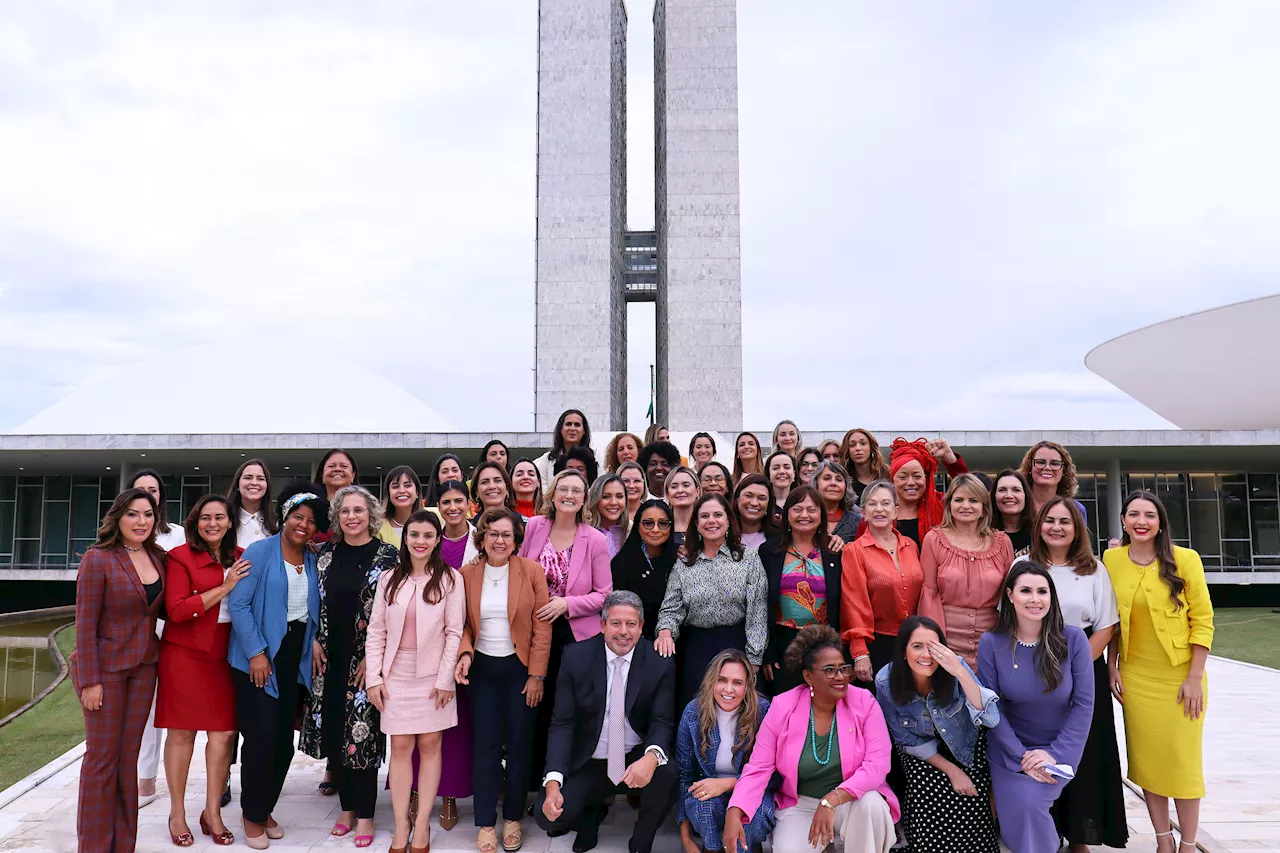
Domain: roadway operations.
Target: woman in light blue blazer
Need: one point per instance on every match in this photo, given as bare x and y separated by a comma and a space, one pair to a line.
275, 613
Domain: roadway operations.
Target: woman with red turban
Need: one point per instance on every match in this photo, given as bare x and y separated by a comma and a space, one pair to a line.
912, 467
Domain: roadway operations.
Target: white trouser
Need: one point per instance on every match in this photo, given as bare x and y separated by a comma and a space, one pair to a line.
149, 755
864, 825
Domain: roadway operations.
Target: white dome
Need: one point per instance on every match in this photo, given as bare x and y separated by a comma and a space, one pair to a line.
256, 405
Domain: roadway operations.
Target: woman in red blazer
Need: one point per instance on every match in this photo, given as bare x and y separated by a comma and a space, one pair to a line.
196, 693
119, 594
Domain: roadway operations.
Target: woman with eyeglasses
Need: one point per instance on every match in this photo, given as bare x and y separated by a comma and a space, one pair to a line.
751, 502
1047, 466
632, 477
823, 750
645, 560
503, 661
807, 465
574, 557
714, 478
607, 510
717, 598
860, 455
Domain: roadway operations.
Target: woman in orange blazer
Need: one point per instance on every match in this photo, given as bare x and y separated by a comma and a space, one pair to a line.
196, 693
119, 594
504, 660
410, 653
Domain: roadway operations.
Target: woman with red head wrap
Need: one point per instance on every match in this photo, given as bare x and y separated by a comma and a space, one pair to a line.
912, 467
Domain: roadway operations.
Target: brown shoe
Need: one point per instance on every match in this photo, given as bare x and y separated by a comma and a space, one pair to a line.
449, 814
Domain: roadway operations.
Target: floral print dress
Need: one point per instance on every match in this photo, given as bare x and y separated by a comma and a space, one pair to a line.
339, 722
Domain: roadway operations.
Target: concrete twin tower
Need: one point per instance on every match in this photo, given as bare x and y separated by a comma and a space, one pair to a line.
589, 266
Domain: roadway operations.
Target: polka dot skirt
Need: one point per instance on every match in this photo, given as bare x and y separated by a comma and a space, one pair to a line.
939, 820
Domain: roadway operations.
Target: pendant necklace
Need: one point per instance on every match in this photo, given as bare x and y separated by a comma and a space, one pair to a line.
1017, 643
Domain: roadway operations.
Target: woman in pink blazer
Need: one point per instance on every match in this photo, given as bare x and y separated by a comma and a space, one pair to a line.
831, 746
411, 650
575, 559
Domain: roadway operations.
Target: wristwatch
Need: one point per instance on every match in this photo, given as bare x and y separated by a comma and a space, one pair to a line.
825, 802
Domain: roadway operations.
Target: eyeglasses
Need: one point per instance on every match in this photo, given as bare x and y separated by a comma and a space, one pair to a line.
714, 478
1051, 464
661, 524
831, 672
568, 490
499, 537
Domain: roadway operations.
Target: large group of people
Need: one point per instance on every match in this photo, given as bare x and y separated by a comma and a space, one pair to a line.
807, 645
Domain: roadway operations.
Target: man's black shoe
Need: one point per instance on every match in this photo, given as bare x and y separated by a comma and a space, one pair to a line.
587, 838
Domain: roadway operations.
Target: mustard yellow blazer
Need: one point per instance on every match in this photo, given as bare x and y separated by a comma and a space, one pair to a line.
1178, 629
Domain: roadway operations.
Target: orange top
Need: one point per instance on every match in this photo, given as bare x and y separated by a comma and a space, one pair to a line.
962, 588
877, 597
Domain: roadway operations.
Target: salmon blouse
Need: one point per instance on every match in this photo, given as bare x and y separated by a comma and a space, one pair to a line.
962, 588
876, 596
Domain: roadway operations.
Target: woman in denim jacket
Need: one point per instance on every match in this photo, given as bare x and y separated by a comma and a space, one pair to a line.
936, 709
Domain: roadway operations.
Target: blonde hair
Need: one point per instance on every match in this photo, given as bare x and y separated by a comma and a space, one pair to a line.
548, 509
799, 435
973, 485
596, 492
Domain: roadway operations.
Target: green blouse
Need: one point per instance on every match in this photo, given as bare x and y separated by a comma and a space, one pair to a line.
814, 779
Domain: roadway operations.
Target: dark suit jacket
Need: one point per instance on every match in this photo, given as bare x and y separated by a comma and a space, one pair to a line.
582, 692
832, 567
188, 575
115, 629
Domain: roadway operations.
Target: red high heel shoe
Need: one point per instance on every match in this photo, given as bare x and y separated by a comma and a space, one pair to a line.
222, 839
184, 839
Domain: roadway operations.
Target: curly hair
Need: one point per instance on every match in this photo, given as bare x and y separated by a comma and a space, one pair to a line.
376, 515
1068, 485
804, 649
611, 462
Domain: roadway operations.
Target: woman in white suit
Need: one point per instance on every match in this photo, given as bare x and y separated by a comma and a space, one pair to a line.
412, 649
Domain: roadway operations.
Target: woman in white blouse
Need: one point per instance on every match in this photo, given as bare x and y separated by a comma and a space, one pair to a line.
249, 501
1090, 810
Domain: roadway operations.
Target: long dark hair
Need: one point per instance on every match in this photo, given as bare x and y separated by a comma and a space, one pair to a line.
434, 485
784, 525
227, 547
388, 508
902, 683
487, 465
693, 539
439, 575
162, 502
634, 548
484, 453
557, 441
109, 530
235, 504
1027, 518
1079, 553
537, 475
766, 524
1164, 545
1051, 648
738, 471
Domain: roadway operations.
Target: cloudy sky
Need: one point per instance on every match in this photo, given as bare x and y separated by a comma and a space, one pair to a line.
945, 206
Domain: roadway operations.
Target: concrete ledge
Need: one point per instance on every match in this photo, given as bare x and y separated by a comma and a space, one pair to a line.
63, 671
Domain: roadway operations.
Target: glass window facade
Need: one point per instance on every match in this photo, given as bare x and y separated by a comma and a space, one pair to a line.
50, 521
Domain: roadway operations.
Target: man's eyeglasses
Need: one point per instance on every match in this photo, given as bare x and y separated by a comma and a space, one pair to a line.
1051, 464
661, 524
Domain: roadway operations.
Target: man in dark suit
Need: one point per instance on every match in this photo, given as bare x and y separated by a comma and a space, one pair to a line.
611, 728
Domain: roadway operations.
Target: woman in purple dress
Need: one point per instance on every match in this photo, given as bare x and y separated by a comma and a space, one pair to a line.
1043, 673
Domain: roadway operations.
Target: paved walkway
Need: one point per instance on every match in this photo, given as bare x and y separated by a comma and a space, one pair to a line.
1241, 813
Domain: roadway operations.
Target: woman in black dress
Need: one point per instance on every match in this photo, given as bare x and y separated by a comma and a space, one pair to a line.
645, 560
1011, 509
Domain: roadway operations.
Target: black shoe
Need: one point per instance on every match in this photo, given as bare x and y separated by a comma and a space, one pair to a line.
556, 833
586, 839
226, 796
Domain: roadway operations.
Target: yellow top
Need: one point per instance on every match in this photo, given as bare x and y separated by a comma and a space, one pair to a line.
1178, 628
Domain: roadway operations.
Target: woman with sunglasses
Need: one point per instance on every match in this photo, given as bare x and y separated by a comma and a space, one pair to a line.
645, 560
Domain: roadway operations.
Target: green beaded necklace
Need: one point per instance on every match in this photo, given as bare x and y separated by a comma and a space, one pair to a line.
813, 739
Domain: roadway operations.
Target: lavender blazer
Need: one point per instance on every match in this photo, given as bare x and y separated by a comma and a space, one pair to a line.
865, 747
439, 631
590, 578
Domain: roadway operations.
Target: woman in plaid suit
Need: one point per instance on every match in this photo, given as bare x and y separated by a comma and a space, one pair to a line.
714, 740
119, 594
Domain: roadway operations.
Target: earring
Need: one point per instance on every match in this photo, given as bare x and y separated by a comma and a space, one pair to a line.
810, 691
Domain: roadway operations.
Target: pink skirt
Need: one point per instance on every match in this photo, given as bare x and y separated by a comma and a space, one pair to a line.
410, 703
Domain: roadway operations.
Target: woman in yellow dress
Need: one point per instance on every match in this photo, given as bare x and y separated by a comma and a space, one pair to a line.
1157, 660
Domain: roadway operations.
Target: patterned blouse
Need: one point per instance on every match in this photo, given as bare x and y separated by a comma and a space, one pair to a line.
803, 590
556, 566
716, 592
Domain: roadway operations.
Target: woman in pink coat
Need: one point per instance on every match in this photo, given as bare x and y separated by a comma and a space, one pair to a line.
412, 647
831, 747
575, 558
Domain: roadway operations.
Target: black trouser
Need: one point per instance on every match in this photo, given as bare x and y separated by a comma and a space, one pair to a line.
502, 719
357, 789
561, 636
266, 725
584, 791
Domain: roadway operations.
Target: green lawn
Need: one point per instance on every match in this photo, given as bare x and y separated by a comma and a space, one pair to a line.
46, 731
1249, 634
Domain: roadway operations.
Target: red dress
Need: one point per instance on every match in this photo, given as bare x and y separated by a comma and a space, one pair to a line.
195, 691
